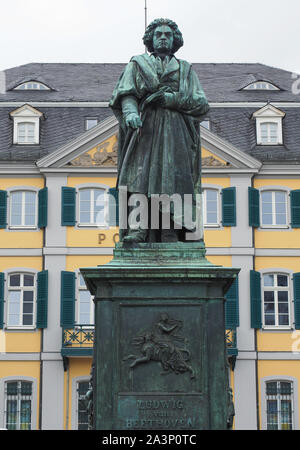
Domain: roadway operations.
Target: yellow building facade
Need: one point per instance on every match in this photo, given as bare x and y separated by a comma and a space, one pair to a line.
54, 221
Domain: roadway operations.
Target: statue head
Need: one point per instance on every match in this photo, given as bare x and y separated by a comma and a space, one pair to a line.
163, 35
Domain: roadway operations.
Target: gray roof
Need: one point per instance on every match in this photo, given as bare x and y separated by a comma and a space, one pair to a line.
95, 82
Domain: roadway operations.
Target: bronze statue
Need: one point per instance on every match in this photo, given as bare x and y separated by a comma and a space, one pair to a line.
158, 102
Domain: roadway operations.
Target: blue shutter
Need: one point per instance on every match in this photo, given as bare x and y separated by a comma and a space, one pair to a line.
43, 207
232, 306
113, 207
68, 206
229, 207
296, 282
295, 208
67, 313
1, 300
253, 204
255, 296
3, 209
42, 299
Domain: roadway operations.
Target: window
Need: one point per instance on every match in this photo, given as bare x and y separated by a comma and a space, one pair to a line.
269, 125
92, 207
23, 209
85, 304
82, 414
211, 207
90, 122
26, 133
261, 85
268, 133
26, 120
18, 399
276, 300
279, 405
21, 300
33, 86
206, 124
274, 208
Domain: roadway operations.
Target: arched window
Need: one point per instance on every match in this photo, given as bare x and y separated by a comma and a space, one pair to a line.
21, 300
92, 206
32, 86
262, 86
279, 399
23, 209
274, 208
18, 405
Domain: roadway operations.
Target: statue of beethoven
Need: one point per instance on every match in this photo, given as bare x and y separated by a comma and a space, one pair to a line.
158, 102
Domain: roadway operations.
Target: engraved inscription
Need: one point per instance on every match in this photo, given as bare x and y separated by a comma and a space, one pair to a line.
164, 343
160, 412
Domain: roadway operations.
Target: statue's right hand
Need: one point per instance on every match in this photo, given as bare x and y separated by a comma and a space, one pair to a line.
133, 120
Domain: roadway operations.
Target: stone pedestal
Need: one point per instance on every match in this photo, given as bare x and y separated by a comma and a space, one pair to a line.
160, 354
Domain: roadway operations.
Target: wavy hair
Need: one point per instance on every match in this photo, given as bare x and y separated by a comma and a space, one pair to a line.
177, 36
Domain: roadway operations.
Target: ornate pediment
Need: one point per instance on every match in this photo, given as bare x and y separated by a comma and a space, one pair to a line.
104, 154
211, 161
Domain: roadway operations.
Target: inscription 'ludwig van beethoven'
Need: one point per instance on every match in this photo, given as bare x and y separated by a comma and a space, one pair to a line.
163, 343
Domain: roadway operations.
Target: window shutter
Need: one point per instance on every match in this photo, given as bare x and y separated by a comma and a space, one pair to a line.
229, 207
232, 306
113, 207
68, 206
1, 300
255, 295
3, 209
253, 201
67, 314
295, 208
43, 207
42, 299
296, 282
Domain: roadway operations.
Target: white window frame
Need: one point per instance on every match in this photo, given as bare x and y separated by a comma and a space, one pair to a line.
269, 114
257, 86
74, 411
105, 223
34, 405
9, 288
26, 114
206, 188
86, 122
277, 289
23, 190
80, 287
274, 189
28, 85
294, 397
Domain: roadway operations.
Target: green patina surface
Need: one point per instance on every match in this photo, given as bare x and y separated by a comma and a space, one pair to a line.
151, 379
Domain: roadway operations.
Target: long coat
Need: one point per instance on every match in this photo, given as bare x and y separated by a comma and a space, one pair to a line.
164, 156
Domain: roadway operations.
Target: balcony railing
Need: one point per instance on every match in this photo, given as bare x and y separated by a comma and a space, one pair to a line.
78, 341
231, 342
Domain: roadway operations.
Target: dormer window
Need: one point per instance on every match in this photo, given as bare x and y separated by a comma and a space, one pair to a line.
261, 86
32, 86
269, 125
26, 125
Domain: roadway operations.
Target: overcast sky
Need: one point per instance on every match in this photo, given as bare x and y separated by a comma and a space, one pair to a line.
94, 31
